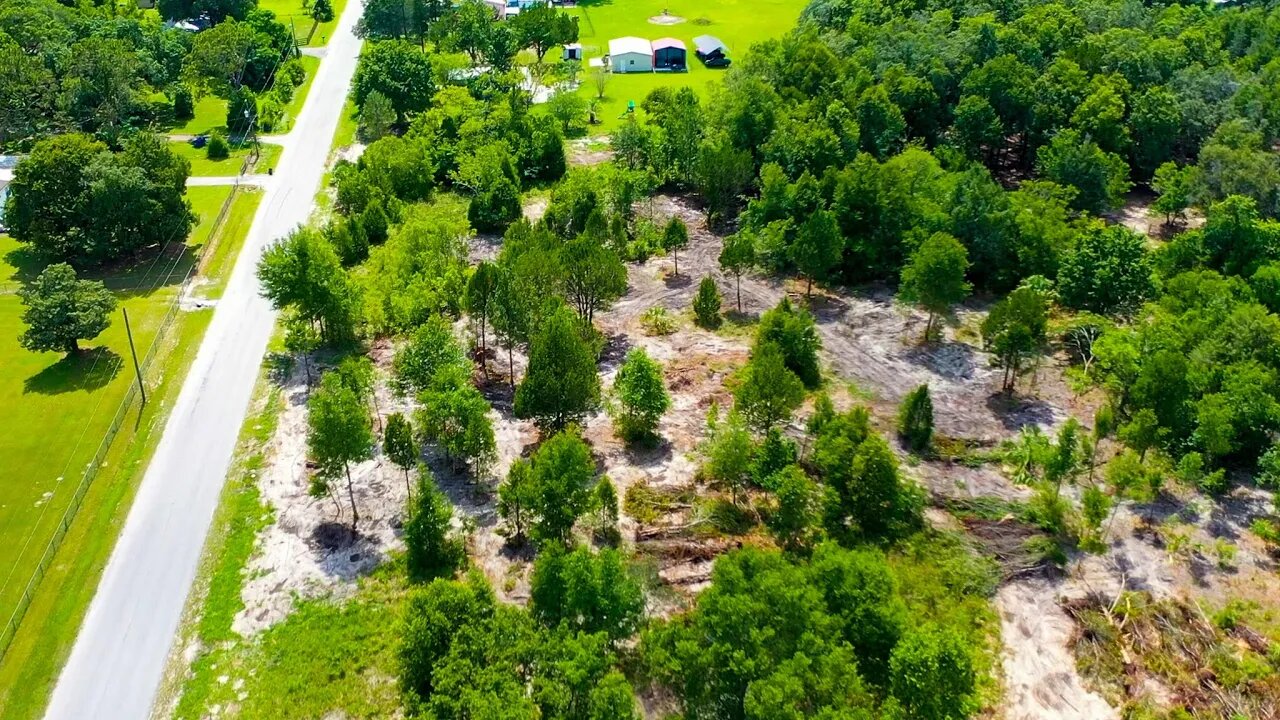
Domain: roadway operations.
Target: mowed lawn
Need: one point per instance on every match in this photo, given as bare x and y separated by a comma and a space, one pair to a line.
739, 23
298, 19
202, 166
59, 411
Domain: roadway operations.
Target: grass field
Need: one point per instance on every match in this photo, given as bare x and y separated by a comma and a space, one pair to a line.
58, 410
210, 111
294, 15
739, 23
202, 166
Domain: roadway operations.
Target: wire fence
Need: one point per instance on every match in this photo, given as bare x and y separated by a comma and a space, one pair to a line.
91, 470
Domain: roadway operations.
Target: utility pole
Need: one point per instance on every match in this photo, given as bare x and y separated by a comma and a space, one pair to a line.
136, 369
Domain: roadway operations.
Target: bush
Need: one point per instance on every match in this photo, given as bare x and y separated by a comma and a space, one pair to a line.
706, 304
796, 335
242, 110
640, 395
657, 321
1268, 475
322, 11
494, 209
270, 113
915, 419
291, 72
217, 148
184, 106
431, 550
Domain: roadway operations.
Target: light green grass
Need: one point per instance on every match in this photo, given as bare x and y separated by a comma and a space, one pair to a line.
739, 23
210, 114
57, 412
326, 656
292, 14
202, 166
226, 248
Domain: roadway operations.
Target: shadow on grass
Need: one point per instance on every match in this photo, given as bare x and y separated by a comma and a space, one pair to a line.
88, 370
26, 263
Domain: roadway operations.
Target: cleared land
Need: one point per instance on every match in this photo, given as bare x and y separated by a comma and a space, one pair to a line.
59, 410
737, 22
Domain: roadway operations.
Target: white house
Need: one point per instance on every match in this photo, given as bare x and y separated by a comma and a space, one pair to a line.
630, 54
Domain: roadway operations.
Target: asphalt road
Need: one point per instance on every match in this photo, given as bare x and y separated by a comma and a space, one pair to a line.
119, 656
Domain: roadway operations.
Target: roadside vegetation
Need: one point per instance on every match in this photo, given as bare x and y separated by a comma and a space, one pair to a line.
922, 350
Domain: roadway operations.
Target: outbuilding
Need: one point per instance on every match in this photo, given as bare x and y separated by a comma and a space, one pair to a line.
572, 51
630, 54
711, 50
669, 54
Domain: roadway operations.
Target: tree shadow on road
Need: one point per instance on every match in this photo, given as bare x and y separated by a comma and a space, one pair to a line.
88, 370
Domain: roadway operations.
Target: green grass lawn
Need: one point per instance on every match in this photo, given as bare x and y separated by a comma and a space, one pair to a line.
57, 412
294, 15
202, 166
210, 114
739, 23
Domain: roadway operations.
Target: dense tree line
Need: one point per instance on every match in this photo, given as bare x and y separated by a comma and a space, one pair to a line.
84, 68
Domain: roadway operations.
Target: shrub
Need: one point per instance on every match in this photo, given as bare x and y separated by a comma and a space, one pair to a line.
706, 304
184, 106
641, 396
657, 321
915, 419
217, 148
292, 72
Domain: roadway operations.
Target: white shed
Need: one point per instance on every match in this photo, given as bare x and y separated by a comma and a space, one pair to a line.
630, 54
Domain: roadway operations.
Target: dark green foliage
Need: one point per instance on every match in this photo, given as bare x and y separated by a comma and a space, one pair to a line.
706, 304
61, 310
915, 419
1195, 371
494, 208
431, 550
183, 103
932, 675
793, 330
641, 396
217, 148
795, 517
768, 392
242, 111
561, 385
400, 71
934, 276
398, 443
584, 591
1100, 178
737, 257
776, 452
866, 495
1108, 272
338, 433
322, 11
303, 272
74, 201
674, 239
1014, 329
559, 478
817, 248
860, 590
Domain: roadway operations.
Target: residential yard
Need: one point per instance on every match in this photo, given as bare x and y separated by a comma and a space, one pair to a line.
737, 22
58, 411
210, 114
298, 18
202, 166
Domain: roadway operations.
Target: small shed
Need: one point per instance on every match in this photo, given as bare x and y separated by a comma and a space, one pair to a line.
572, 51
711, 50
669, 54
630, 54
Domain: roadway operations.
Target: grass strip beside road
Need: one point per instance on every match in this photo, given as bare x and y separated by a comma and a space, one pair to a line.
203, 166
44, 639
